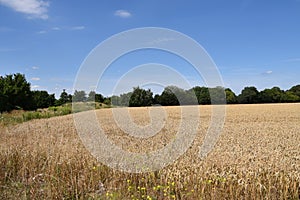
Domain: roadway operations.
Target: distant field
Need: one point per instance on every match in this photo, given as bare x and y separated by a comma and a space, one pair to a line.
257, 157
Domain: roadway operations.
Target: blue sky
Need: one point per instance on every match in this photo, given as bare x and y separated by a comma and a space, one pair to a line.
252, 42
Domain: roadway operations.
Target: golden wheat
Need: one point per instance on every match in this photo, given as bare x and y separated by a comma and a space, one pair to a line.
257, 157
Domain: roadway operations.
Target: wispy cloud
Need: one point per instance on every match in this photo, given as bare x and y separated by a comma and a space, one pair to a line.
76, 28
292, 60
123, 13
35, 79
35, 86
32, 8
267, 72
56, 29
42, 32
66, 28
35, 68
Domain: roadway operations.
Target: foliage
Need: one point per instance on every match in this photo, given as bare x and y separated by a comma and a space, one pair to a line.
217, 95
99, 98
231, 98
107, 101
93, 96
15, 93
249, 95
79, 96
290, 97
64, 98
273, 95
295, 90
14, 117
168, 97
202, 94
42, 99
140, 97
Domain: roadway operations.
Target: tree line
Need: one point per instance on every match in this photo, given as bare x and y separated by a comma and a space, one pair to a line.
173, 95
16, 93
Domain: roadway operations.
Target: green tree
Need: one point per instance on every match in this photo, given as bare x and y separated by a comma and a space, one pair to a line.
168, 98
107, 101
116, 100
290, 97
189, 97
79, 96
202, 94
42, 99
156, 99
99, 98
3, 97
231, 98
249, 95
64, 98
141, 97
273, 95
295, 90
217, 95
125, 98
91, 96
15, 93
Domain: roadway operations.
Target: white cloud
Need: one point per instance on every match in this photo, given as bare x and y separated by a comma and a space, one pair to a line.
42, 32
78, 28
56, 28
35, 86
70, 28
269, 72
123, 13
34, 67
32, 8
35, 79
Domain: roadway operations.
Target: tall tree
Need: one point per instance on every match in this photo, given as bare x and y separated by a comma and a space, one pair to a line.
125, 99
3, 97
99, 98
168, 98
249, 95
79, 96
91, 96
15, 93
273, 95
64, 98
156, 99
141, 97
295, 90
190, 97
217, 95
290, 97
202, 94
42, 99
116, 100
231, 98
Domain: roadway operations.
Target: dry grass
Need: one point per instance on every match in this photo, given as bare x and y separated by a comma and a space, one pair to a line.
257, 157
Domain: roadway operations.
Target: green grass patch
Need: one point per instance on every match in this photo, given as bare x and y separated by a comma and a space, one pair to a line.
20, 116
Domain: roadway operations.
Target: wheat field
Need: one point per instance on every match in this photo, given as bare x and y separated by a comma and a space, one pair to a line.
257, 156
